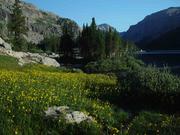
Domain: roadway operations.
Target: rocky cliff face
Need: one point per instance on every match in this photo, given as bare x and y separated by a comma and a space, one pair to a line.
154, 26
40, 23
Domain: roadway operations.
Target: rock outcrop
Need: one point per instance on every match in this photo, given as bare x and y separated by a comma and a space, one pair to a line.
26, 57
105, 27
40, 24
5, 45
67, 114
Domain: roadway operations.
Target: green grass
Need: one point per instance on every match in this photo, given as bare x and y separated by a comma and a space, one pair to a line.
11, 63
25, 95
29, 90
7, 62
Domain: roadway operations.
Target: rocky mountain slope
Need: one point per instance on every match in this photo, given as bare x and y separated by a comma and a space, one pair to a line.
167, 41
40, 23
105, 27
153, 26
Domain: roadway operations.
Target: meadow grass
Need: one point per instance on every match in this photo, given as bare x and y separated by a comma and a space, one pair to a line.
26, 92
7, 62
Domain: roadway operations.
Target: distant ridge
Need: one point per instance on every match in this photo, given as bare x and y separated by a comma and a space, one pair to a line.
154, 26
167, 41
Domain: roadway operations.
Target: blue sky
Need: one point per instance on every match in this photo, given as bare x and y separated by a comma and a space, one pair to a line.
118, 13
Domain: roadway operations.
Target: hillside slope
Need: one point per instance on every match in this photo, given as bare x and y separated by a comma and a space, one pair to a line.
153, 26
40, 23
167, 41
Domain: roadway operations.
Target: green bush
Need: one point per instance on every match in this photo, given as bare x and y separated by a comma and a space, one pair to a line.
142, 88
40, 67
113, 65
153, 79
60, 127
150, 88
154, 124
50, 44
31, 47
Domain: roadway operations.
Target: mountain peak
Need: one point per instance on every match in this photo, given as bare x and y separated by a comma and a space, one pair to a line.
173, 10
105, 27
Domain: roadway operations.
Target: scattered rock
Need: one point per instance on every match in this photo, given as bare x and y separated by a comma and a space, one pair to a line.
26, 57
50, 62
5, 45
66, 113
54, 112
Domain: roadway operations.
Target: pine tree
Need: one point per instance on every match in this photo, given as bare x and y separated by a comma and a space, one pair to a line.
92, 42
116, 44
112, 42
17, 26
66, 43
50, 44
93, 24
100, 49
108, 42
84, 41
93, 39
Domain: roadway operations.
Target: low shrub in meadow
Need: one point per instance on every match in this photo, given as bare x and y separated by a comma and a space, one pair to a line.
150, 88
113, 65
143, 88
147, 123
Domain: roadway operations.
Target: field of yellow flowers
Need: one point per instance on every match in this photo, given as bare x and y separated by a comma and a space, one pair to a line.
26, 92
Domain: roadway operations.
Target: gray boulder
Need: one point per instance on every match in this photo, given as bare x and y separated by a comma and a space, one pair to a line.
26, 58
5, 45
66, 113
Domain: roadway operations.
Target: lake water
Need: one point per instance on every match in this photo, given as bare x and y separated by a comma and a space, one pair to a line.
161, 58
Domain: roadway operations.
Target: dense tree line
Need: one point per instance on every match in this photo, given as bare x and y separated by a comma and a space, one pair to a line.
63, 44
93, 43
97, 44
50, 44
